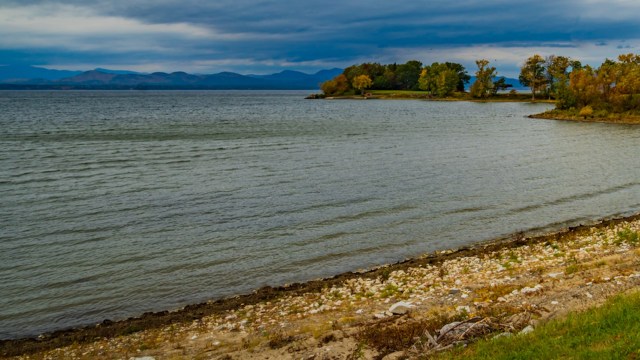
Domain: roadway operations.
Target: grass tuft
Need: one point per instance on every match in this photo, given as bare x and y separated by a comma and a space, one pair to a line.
627, 236
608, 332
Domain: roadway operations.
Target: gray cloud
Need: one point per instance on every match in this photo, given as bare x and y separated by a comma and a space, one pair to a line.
332, 31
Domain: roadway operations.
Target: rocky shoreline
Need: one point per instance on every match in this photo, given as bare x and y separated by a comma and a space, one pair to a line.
496, 287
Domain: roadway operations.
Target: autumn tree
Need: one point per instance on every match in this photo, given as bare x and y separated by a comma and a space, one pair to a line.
532, 74
628, 82
362, 82
583, 87
483, 86
336, 86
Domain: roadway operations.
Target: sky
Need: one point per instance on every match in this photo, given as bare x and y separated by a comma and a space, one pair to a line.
263, 36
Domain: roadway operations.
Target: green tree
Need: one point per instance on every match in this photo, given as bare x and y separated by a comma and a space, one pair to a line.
483, 86
499, 85
407, 75
532, 74
362, 82
386, 81
557, 68
463, 77
442, 79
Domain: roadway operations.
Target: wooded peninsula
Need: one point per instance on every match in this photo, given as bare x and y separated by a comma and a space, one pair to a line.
609, 93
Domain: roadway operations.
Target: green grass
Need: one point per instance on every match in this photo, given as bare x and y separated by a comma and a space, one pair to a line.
627, 236
608, 332
398, 92
419, 94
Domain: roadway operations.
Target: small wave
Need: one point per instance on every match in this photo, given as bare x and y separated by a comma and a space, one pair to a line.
577, 197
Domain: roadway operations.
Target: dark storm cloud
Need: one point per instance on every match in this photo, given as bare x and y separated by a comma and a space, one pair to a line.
308, 32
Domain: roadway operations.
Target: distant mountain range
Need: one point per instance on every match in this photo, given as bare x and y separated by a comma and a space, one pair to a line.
30, 77
515, 83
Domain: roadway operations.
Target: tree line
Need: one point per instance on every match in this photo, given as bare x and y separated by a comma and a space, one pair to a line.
612, 87
437, 79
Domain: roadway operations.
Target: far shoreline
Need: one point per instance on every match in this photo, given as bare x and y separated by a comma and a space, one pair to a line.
194, 312
554, 114
619, 119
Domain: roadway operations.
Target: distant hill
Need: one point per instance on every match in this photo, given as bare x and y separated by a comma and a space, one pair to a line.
25, 73
123, 79
299, 79
117, 71
514, 82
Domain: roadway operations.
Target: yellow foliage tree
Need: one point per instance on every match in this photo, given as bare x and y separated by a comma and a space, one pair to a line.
362, 82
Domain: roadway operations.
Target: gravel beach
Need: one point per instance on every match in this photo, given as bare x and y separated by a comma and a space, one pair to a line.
500, 287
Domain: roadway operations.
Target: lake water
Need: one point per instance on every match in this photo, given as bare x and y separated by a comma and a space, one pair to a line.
117, 203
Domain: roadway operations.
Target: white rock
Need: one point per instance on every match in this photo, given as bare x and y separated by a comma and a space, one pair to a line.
589, 295
504, 334
463, 309
448, 327
359, 311
554, 303
531, 290
526, 330
401, 308
395, 356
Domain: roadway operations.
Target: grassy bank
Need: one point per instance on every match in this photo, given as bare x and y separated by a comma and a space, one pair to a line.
611, 331
597, 116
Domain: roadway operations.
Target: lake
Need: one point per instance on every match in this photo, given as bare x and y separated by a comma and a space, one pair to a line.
117, 203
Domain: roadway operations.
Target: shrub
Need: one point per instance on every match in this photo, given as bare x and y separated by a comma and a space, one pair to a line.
586, 112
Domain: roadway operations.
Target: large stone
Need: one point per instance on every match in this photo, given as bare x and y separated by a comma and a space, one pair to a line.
401, 308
